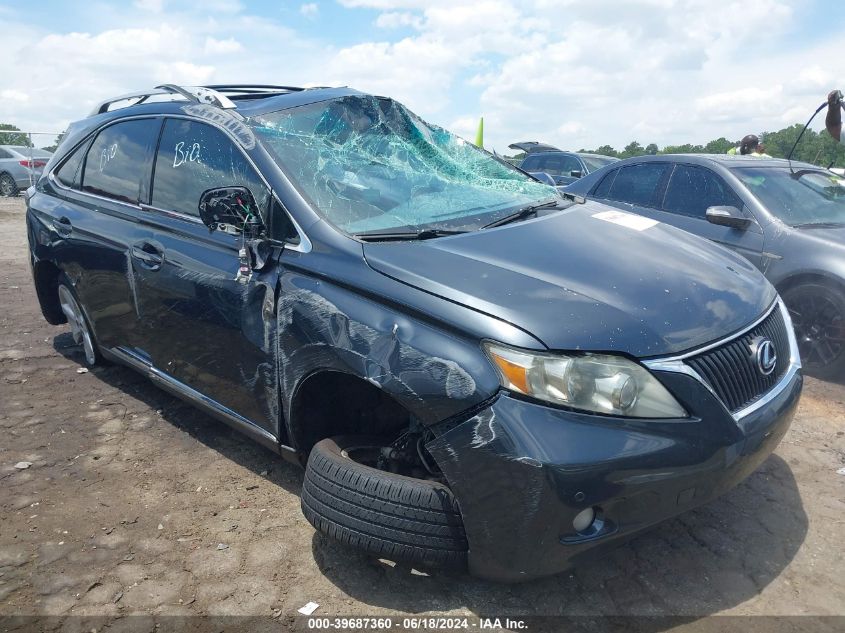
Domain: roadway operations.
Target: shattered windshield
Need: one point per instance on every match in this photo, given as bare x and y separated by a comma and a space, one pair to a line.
369, 166
803, 199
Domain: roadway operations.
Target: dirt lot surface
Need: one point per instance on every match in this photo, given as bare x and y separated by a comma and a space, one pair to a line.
137, 503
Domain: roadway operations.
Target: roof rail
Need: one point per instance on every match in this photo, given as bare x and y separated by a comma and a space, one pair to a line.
197, 94
253, 88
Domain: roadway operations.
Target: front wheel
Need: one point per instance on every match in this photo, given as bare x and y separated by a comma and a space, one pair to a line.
79, 326
386, 514
818, 315
8, 187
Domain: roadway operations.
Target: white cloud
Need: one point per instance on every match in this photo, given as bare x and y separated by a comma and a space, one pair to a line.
309, 10
213, 46
154, 6
569, 72
398, 19
14, 95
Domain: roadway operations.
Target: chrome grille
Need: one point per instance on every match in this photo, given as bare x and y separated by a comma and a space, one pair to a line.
731, 369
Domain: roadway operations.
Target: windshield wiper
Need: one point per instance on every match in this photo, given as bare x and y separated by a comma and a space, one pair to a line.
522, 213
425, 234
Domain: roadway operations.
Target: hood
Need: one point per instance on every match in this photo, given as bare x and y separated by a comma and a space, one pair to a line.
826, 235
615, 283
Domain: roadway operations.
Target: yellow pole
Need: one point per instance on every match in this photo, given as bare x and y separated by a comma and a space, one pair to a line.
479, 135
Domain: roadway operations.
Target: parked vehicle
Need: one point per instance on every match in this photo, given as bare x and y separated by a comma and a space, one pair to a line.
476, 371
563, 167
20, 167
788, 220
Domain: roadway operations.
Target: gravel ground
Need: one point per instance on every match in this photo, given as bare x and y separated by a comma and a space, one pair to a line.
137, 503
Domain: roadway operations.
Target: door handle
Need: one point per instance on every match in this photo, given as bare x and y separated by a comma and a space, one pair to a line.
63, 226
149, 255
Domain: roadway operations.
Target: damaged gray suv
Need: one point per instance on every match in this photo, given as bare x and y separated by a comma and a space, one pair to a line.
473, 371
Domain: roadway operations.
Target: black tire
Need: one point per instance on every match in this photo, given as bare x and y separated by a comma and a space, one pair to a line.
392, 516
818, 315
8, 187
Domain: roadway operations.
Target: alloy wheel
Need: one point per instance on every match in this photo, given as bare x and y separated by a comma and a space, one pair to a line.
78, 324
819, 326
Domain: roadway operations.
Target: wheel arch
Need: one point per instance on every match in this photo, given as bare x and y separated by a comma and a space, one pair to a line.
46, 276
806, 277
330, 402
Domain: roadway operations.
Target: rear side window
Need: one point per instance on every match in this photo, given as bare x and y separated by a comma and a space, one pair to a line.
194, 157
531, 163
552, 164
637, 184
693, 189
70, 174
117, 159
4, 153
604, 186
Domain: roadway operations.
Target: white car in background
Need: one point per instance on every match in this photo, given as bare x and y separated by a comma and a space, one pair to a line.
20, 167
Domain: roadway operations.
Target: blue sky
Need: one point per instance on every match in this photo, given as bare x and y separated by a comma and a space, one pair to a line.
574, 73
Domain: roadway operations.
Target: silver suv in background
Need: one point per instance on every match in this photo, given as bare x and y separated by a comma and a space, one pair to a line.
20, 167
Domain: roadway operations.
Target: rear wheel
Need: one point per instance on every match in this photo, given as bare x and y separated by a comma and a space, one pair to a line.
79, 327
8, 187
818, 315
390, 515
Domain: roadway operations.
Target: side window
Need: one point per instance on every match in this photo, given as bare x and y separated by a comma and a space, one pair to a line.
193, 157
531, 163
70, 173
604, 186
551, 165
116, 161
637, 184
4, 153
570, 164
693, 189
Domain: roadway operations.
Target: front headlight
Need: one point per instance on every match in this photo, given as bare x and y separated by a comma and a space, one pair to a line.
593, 382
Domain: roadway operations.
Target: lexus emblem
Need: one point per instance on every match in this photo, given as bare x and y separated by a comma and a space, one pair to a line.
765, 355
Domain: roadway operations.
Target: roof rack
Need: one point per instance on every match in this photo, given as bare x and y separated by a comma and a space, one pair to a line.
253, 88
197, 94
253, 91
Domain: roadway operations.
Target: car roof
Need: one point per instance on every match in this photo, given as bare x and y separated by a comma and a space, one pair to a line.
728, 161
244, 100
592, 155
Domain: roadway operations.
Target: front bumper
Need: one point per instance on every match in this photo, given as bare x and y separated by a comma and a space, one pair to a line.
522, 471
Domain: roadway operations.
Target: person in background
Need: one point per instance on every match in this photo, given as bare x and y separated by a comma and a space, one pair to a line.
833, 120
749, 146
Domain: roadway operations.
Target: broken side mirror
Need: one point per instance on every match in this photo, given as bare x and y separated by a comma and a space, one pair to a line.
230, 209
727, 216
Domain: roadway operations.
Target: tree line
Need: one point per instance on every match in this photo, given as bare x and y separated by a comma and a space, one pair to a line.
818, 148
12, 135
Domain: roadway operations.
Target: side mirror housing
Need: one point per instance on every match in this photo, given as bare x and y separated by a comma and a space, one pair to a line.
727, 216
576, 173
229, 208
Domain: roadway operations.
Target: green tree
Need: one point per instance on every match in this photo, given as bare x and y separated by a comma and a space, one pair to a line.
632, 149
605, 150
651, 149
686, 148
719, 146
56, 143
11, 135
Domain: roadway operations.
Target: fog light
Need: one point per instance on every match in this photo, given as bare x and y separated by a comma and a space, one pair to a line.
584, 520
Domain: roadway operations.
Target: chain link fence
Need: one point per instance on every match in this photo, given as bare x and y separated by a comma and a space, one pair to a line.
23, 156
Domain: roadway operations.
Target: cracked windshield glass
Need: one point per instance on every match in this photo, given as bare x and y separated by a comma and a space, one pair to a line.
370, 166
